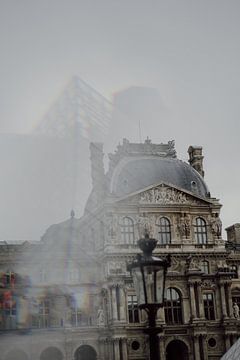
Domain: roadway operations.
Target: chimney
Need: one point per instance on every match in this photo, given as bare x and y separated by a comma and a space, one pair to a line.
233, 233
97, 166
196, 158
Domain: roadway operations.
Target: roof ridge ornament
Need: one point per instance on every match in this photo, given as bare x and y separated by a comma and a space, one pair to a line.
147, 148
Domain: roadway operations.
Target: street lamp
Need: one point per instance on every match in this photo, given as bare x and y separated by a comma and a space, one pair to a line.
149, 274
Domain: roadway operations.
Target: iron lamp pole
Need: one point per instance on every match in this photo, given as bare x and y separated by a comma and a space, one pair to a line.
149, 274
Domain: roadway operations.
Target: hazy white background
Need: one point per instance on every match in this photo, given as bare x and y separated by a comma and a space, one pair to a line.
188, 50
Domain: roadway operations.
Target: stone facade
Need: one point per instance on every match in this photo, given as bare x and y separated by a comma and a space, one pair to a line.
70, 296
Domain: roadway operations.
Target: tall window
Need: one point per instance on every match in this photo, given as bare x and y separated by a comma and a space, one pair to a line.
42, 275
73, 275
133, 312
164, 231
9, 279
76, 316
200, 231
41, 318
234, 270
127, 230
173, 307
81, 305
208, 303
204, 266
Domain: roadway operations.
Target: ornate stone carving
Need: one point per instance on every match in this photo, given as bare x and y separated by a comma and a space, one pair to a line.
208, 284
166, 195
112, 225
192, 263
184, 226
116, 267
100, 317
175, 265
146, 223
236, 310
216, 226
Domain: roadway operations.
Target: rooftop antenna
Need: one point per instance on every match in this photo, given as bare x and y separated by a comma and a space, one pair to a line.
140, 130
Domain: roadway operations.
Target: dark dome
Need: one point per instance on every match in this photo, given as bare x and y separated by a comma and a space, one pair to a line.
133, 174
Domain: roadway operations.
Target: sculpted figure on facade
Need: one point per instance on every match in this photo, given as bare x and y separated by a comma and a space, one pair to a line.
184, 226
101, 317
112, 225
236, 310
146, 223
216, 226
165, 195
175, 264
192, 263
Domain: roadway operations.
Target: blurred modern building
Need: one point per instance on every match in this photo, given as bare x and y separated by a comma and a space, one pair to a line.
70, 295
46, 173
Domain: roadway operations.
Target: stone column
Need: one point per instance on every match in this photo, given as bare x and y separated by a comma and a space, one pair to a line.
108, 350
122, 304
196, 347
116, 349
102, 348
200, 300
223, 300
114, 303
161, 347
227, 342
160, 315
205, 349
229, 299
192, 300
124, 349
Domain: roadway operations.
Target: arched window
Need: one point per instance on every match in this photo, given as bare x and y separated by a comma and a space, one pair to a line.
85, 352
164, 231
51, 353
16, 354
127, 230
200, 231
173, 307
204, 266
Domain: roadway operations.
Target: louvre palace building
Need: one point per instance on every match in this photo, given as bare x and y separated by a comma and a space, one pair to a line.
69, 296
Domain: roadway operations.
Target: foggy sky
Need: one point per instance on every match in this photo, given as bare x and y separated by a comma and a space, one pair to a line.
188, 50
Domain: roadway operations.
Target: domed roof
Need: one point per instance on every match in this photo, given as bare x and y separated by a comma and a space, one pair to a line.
133, 174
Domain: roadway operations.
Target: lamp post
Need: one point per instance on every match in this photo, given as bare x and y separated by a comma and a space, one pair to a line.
149, 273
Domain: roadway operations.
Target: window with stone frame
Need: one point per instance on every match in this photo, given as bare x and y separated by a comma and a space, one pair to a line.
204, 266
173, 307
41, 313
208, 304
164, 231
200, 231
133, 311
81, 305
42, 275
76, 317
234, 269
127, 230
73, 275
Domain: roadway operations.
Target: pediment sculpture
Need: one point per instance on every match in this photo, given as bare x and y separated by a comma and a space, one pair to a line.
163, 194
